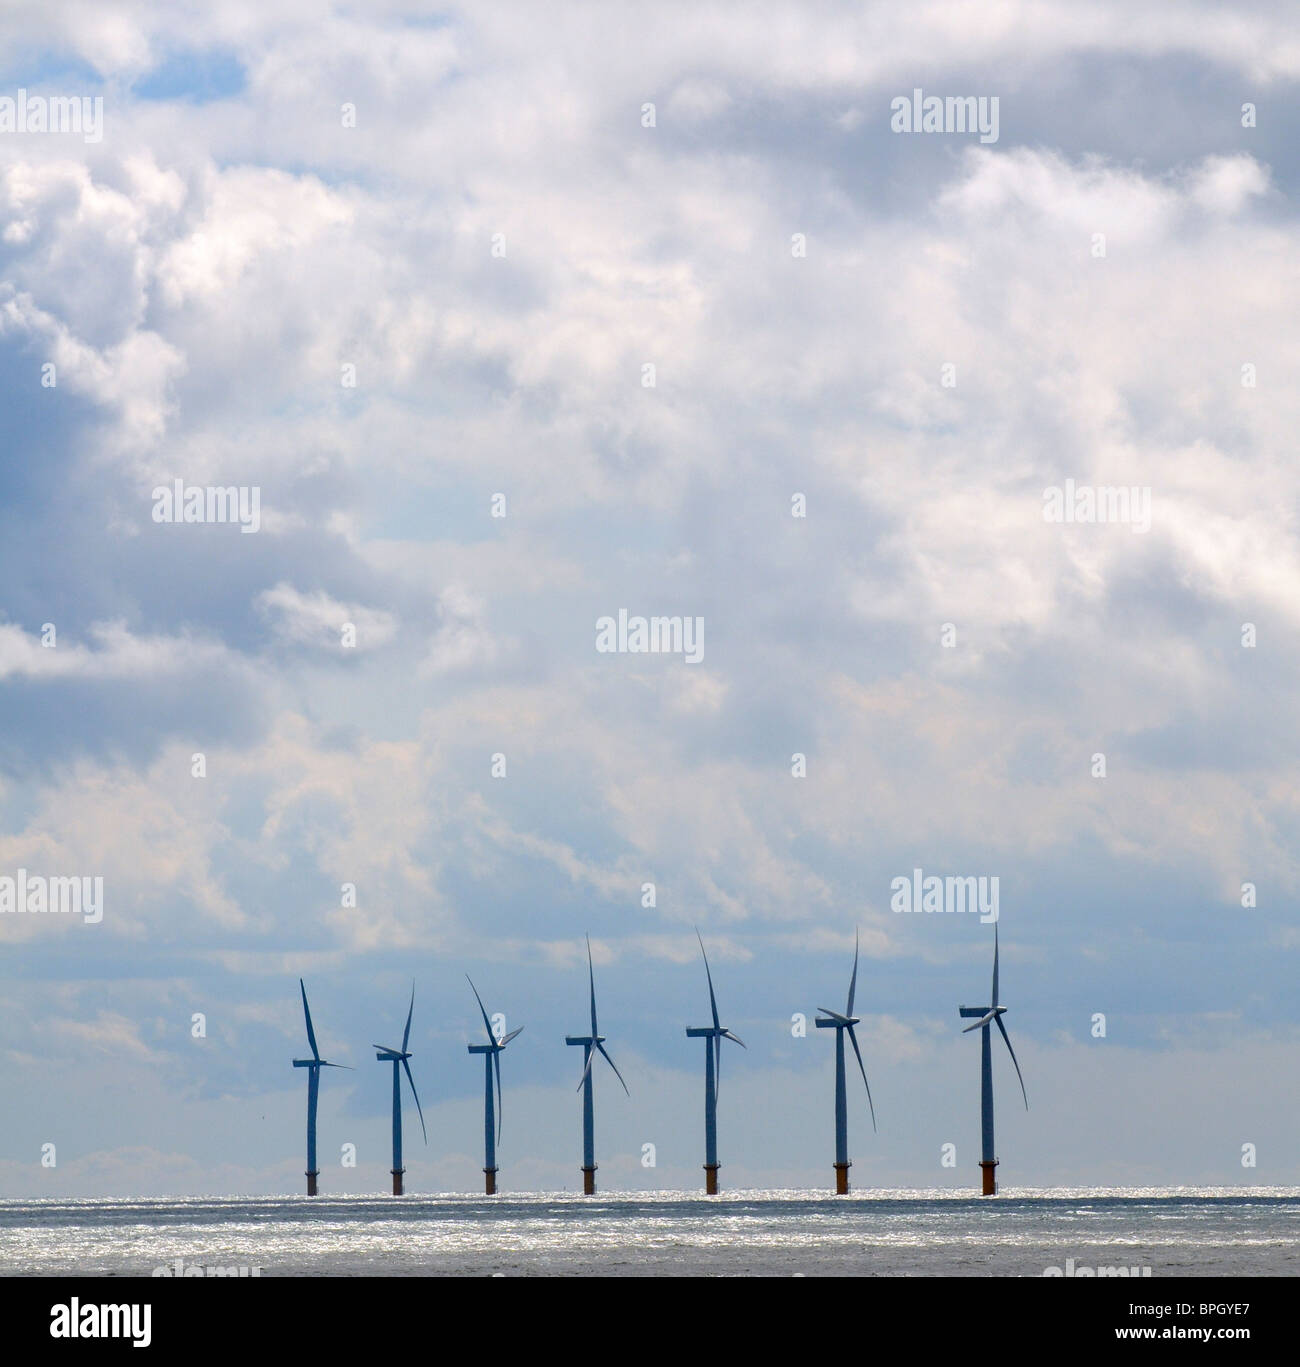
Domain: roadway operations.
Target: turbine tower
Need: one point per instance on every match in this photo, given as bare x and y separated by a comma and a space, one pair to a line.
713, 1035
400, 1059
491, 1052
988, 1017
314, 1065
843, 1024
592, 1044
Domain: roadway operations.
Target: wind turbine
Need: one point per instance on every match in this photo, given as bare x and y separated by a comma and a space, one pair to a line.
842, 1025
314, 1065
591, 1045
400, 1059
713, 1035
989, 1016
491, 1052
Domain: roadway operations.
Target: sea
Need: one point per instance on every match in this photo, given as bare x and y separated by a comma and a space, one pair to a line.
1018, 1233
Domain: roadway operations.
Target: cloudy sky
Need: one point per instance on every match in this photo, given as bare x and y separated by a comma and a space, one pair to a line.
496, 218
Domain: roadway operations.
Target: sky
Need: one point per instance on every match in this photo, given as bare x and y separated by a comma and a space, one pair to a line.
519, 316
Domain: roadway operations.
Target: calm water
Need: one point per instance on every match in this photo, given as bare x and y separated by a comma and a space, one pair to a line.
1184, 1231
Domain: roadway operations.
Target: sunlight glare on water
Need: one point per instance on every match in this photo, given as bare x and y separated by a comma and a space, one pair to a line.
1197, 1231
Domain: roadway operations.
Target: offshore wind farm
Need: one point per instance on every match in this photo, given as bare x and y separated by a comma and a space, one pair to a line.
593, 1045
872, 1230
974, 1226
971, 1227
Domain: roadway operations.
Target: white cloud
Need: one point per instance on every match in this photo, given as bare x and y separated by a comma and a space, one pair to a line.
117, 654
316, 619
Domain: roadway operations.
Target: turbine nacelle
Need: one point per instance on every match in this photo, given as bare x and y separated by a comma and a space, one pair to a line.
496, 1045
702, 1031
987, 1015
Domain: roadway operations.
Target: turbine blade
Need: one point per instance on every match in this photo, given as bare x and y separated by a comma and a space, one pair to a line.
325, 1064
613, 1065
406, 1034
713, 1001
834, 1015
416, 1095
306, 1011
853, 1039
853, 981
1012, 1052
591, 978
726, 1034
487, 1024
979, 1024
591, 1058
505, 1039
496, 1060
994, 1002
